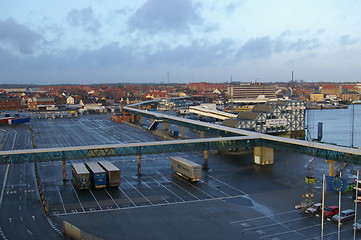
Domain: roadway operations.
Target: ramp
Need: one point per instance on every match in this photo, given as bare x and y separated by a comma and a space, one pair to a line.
154, 124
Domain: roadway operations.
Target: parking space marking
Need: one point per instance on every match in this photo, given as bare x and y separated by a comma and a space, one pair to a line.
153, 205
168, 189
296, 230
81, 205
184, 190
216, 188
138, 191
144, 183
127, 196
61, 199
264, 216
274, 224
227, 185
95, 199
172, 182
190, 184
328, 234
111, 198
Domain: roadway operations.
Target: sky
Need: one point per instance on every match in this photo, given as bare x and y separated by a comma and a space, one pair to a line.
179, 41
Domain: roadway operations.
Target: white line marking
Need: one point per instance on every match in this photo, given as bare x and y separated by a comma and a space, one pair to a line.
138, 191
274, 224
30, 232
33, 217
95, 199
111, 198
2, 190
291, 231
265, 216
190, 184
61, 199
185, 190
20, 207
227, 185
167, 189
127, 196
10, 220
21, 218
215, 188
81, 205
329, 234
151, 188
154, 205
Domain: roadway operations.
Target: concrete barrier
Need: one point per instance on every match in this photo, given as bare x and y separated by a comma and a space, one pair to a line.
75, 233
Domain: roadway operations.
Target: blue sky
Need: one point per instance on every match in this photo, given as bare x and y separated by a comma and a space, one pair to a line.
84, 42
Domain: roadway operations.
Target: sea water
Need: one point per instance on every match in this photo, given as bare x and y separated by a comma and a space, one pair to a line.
337, 125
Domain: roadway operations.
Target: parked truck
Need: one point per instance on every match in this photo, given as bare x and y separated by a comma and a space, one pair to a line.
112, 172
186, 169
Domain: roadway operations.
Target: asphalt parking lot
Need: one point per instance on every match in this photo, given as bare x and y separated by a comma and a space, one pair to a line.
234, 200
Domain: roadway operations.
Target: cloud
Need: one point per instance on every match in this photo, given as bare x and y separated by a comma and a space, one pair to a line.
257, 48
264, 47
85, 19
230, 8
345, 40
164, 15
199, 53
108, 55
18, 37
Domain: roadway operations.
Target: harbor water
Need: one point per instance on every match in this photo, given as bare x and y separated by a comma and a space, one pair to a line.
337, 125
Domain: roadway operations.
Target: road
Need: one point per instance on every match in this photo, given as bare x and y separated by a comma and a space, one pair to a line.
22, 216
234, 200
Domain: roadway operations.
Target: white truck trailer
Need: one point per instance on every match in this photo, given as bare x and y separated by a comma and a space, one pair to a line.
186, 169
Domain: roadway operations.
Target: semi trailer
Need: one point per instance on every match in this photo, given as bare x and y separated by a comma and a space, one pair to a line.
186, 169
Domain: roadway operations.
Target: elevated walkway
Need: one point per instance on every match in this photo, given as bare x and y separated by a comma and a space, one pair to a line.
211, 113
329, 152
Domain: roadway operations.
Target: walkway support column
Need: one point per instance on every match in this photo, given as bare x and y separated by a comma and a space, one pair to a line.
63, 165
206, 155
165, 125
263, 155
182, 131
139, 161
331, 167
201, 134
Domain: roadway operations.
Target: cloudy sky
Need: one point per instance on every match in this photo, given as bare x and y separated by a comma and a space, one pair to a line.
109, 41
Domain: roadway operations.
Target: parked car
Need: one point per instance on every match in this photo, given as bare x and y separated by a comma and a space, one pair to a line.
330, 211
344, 215
357, 226
314, 209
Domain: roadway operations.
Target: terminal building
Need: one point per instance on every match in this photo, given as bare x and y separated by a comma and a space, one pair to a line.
251, 93
278, 117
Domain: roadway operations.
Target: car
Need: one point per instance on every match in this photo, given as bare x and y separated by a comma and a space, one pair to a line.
314, 209
357, 226
344, 215
330, 211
